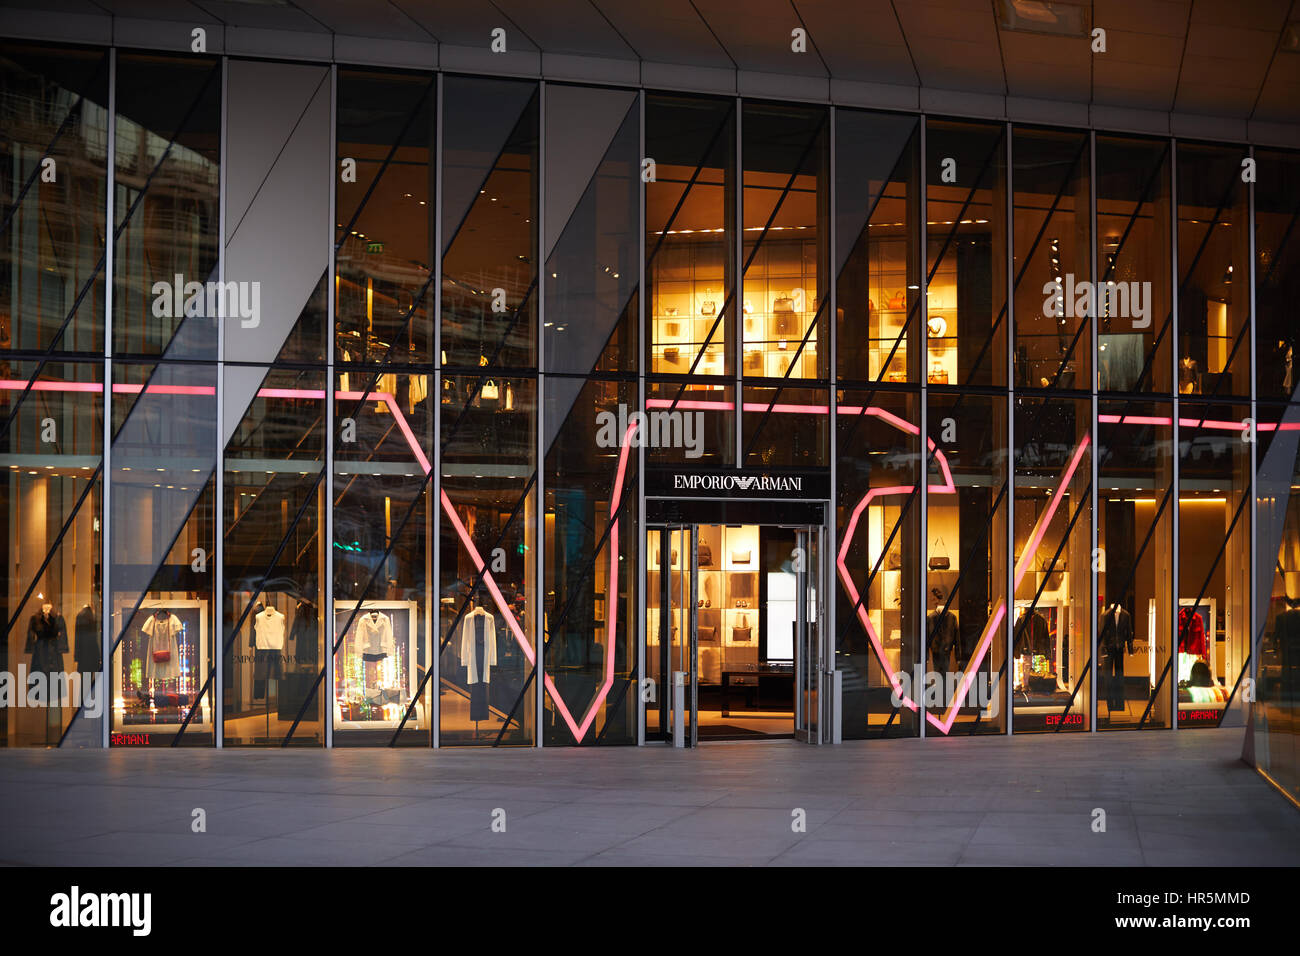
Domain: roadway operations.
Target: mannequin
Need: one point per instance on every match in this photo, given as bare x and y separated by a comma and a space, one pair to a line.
478, 655
162, 662
1114, 641
1189, 375
942, 627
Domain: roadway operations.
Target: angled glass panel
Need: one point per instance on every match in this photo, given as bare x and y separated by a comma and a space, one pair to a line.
53, 191
1277, 274
167, 207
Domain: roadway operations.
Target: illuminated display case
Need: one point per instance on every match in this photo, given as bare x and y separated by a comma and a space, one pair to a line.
160, 665
375, 670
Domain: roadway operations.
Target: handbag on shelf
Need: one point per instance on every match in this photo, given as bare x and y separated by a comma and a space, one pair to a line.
741, 631
741, 557
782, 304
491, 391
939, 561
897, 301
708, 307
783, 312
938, 375
896, 377
894, 561
708, 635
673, 328
705, 554
754, 361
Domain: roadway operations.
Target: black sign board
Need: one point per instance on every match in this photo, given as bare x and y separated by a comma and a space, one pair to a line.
690, 481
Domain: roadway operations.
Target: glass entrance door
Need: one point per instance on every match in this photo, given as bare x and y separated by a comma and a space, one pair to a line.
733, 617
806, 563
671, 644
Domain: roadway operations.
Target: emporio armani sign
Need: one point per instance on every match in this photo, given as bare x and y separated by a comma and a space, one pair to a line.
752, 483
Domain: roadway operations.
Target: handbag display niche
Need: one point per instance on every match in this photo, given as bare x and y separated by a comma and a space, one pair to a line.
741, 631
741, 557
709, 307
939, 560
783, 312
706, 554
708, 635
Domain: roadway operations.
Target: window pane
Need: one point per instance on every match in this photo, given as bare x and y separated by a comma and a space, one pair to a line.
966, 261
1134, 332
878, 304
690, 217
1277, 272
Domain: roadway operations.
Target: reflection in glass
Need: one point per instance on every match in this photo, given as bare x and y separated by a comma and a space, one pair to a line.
1277, 273
52, 234
167, 204
489, 223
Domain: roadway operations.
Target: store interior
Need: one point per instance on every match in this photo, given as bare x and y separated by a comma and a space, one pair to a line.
744, 591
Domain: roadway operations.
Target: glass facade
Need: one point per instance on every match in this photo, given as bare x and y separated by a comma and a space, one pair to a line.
1043, 375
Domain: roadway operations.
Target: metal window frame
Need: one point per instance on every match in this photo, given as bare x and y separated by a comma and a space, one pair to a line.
105, 500
1176, 542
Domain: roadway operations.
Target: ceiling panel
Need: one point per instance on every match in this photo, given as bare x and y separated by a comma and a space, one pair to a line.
667, 31
370, 20
760, 40
465, 22
1158, 17
567, 26
859, 41
1046, 67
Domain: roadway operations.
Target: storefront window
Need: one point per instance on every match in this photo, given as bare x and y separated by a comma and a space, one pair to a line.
488, 597
383, 559
1212, 627
274, 565
167, 205
786, 427
1134, 311
162, 529
965, 564
785, 202
52, 234
591, 563
1135, 515
690, 234
966, 291
1051, 640
51, 441
489, 223
1213, 347
877, 203
877, 567
1052, 253
1277, 273
695, 422
385, 218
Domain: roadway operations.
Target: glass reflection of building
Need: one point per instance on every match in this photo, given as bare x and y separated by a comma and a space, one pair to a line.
383, 517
